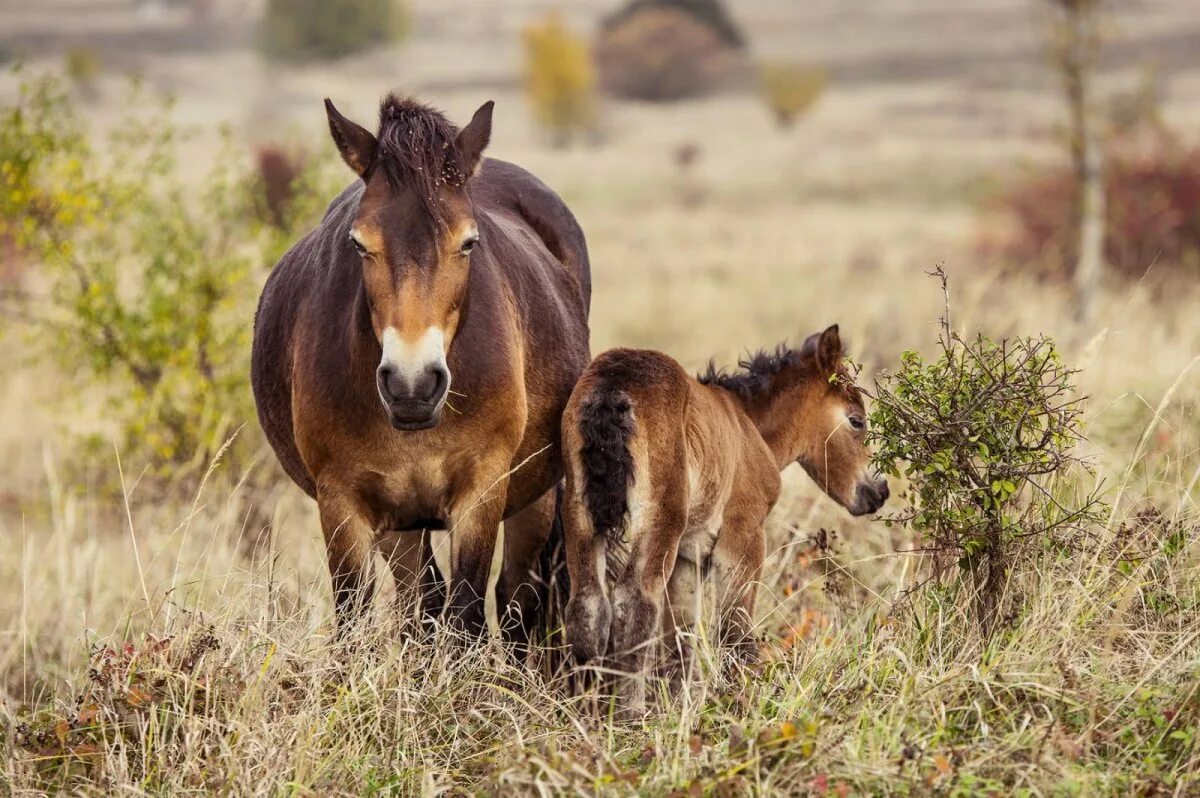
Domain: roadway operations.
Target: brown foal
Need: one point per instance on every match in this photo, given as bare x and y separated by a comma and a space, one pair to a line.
669, 477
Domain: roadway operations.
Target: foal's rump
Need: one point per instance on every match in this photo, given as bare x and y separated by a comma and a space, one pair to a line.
624, 439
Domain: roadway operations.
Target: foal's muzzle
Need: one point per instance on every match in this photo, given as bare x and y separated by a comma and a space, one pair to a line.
413, 400
870, 496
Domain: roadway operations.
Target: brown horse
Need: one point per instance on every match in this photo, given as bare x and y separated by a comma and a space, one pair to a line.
669, 476
413, 354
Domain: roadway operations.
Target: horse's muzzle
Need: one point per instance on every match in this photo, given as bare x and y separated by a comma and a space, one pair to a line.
413, 402
410, 416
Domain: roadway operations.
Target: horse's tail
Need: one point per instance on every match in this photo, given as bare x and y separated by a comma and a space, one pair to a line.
606, 426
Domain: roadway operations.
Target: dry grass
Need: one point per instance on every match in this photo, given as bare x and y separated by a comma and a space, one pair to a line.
1091, 690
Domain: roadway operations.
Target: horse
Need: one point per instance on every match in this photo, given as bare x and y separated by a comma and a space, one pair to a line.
669, 477
412, 357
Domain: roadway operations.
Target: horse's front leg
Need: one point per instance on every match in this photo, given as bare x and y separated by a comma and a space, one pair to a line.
474, 522
348, 545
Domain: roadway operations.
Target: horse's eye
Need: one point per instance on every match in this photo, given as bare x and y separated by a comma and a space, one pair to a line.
358, 246
469, 245
858, 422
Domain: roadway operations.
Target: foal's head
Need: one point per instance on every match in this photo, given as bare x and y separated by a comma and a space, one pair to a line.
832, 427
808, 409
414, 231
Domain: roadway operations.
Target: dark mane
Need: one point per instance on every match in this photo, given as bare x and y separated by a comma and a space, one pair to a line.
418, 147
756, 371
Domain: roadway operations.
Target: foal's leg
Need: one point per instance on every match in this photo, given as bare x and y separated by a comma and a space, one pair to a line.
588, 616
655, 529
348, 539
737, 561
519, 597
683, 604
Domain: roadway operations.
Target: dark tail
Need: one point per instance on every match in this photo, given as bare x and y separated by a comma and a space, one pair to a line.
606, 426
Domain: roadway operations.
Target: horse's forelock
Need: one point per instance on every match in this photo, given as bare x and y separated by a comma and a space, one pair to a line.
418, 148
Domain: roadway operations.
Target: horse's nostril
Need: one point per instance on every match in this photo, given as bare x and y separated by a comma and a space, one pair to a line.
388, 382
431, 385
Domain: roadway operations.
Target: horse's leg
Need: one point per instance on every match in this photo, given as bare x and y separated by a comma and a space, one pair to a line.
737, 561
519, 597
348, 539
474, 522
419, 586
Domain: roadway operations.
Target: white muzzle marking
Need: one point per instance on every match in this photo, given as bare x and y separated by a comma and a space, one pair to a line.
412, 360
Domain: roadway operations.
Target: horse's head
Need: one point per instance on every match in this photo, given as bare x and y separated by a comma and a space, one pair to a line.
414, 231
833, 428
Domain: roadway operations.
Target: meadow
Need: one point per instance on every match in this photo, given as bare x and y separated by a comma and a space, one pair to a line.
163, 636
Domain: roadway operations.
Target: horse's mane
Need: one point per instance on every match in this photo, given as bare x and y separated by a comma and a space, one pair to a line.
756, 371
418, 147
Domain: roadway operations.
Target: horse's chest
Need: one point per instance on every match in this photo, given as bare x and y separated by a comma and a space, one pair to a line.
406, 494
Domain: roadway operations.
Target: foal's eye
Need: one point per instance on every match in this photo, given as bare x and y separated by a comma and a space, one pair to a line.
469, 245
858, 422
358, 246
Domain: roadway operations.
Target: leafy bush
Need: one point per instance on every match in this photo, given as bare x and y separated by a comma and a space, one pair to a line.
1152, 189
149, 283
559, 79
985, 434
297, 30
662, 52
790, 89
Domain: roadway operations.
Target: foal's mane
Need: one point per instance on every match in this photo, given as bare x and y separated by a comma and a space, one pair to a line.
756, 371
418, 147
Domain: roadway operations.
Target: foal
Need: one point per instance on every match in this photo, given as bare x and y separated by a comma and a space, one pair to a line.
669, 477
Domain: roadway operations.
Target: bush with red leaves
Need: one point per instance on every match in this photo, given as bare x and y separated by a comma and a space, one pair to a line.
1152, 189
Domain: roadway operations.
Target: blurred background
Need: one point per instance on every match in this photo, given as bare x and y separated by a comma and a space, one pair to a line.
745, 172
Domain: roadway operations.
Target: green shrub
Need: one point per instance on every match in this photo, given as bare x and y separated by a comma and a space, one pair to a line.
559, 79
297, 30
150, 282
985, 434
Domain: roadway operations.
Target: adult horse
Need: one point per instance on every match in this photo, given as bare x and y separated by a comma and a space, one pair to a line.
413, 355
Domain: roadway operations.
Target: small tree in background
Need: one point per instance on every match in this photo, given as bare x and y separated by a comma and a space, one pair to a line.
559, 79
985, 434
1075, 47
790, 89
297, 30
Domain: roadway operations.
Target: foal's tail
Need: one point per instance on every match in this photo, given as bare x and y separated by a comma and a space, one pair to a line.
606, 426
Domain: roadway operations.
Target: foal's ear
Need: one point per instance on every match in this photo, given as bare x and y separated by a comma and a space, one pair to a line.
473, 139
829, 350
354, 142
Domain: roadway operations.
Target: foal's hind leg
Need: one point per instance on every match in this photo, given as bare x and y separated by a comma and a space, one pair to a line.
655, 529
683, 612
588, 615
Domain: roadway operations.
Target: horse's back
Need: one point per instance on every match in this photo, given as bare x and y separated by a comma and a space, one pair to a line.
505, 187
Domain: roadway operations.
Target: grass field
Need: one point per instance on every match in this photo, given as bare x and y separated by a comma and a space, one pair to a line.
165, 645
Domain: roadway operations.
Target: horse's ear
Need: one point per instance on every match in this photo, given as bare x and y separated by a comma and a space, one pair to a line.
354, 142
474, 138
829, 350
